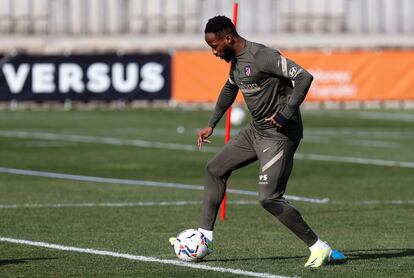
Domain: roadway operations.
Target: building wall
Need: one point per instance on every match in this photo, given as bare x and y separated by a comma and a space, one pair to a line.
130, 26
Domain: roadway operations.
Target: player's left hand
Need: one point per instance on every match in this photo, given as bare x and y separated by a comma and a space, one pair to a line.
277, 120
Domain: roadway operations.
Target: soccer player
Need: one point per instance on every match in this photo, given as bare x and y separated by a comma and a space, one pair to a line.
273, 88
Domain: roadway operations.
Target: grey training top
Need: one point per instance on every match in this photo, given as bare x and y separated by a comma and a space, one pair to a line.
270, 84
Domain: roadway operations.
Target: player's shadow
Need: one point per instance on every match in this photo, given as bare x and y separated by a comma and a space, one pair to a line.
369, 254
23, 260
352, 255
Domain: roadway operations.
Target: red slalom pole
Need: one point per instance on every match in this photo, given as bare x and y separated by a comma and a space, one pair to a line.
235, 10
228, 119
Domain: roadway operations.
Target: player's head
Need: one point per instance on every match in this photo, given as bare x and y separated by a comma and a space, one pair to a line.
220, 35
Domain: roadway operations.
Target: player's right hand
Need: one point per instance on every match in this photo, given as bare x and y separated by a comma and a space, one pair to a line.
203, 134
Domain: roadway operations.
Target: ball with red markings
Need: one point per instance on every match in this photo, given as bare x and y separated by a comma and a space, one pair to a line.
190, 245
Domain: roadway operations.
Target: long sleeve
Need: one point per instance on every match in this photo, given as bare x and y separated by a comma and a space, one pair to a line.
272, 62
225, 100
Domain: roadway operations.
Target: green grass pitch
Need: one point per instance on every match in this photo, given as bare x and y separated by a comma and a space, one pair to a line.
362, 161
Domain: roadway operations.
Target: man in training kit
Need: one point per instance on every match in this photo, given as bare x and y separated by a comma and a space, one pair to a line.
273, 88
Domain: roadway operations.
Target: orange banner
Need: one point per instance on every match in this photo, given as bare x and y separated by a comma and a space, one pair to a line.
198, 76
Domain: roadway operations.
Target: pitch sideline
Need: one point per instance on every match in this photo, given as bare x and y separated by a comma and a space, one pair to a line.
187, 203
191, 148
168, 185
119, 205
142, 183
139, 258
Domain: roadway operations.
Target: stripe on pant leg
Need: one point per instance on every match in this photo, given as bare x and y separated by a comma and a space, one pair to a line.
272, 161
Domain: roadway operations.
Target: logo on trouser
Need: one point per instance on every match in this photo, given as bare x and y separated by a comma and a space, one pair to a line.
263, 179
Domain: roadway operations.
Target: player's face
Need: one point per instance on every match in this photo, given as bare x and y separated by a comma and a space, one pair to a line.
220, 46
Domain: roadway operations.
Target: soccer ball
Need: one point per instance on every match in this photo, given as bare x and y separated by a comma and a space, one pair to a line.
190, 245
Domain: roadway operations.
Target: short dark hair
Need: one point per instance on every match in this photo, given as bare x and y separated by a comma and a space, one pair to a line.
220, 25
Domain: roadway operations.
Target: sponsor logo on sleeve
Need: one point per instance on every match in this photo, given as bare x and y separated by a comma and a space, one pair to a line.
293, 71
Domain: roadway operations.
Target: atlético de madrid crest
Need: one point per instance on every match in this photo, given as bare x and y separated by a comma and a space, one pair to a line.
248, 70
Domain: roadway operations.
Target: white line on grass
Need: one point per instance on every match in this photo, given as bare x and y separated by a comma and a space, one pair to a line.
187, 203
103, 140
319, 138
140, 258
184, 147
142, 183
356, 160
375, 202
386, 116
370, 115
358, 132
117, 205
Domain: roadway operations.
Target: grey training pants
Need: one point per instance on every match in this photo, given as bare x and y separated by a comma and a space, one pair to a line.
276, 161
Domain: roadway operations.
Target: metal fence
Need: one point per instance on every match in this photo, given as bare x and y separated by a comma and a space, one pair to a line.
107, 17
